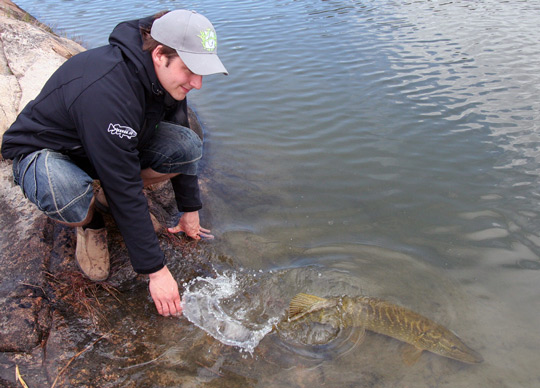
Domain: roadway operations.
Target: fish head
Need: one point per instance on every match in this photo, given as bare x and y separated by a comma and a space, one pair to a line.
451, 346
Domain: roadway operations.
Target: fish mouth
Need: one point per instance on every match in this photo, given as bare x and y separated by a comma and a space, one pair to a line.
469, 356
475, 358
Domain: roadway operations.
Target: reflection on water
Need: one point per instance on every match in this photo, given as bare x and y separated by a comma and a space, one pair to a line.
375, 147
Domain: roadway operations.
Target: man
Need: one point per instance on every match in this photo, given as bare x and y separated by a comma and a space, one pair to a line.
118, 113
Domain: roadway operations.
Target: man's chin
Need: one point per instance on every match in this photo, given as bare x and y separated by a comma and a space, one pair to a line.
179, 97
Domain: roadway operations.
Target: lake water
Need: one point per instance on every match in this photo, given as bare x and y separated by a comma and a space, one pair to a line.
386, 148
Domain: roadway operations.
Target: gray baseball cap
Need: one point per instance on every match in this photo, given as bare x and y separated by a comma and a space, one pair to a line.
194, 39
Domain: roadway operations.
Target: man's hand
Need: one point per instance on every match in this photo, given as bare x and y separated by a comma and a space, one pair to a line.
164, 291
189, 224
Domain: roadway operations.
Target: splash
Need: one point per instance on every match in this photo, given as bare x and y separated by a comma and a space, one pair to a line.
221, 307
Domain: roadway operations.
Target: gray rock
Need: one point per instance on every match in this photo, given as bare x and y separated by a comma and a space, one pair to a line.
29, 54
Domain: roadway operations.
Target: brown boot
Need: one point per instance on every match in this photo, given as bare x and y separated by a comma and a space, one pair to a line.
92, 253
101, 201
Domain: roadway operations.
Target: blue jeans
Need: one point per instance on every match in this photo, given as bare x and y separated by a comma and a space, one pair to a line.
63, 191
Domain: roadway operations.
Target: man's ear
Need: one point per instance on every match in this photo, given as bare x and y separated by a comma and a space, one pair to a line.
158, 57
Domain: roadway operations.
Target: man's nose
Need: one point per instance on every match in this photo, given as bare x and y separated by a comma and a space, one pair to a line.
196, 81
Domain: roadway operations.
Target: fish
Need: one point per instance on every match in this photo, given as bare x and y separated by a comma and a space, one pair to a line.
382, 317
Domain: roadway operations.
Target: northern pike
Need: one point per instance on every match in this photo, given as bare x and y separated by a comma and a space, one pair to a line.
382, 317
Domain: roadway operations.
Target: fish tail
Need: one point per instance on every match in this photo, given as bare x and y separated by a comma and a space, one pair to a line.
302, 304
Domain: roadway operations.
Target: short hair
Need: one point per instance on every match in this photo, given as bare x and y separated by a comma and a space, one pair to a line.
150, 44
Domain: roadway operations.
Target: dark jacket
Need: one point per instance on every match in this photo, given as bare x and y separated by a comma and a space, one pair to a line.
113, 86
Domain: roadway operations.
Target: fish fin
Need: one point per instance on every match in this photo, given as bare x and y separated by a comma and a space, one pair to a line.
359, 336
303, 303
411, 354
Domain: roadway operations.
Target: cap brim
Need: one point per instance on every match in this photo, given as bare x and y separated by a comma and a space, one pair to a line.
203, 64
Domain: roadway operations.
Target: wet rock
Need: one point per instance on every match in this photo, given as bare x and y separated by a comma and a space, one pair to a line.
24, 322
24, 245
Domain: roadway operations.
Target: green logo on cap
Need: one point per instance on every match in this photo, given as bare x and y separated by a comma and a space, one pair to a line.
208, 39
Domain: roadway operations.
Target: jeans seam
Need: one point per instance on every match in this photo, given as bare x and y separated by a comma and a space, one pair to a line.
182, 163
59, 211
157, 153
23, 175
51, 188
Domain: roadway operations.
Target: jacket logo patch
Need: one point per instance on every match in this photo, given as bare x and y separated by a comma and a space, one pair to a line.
121, 131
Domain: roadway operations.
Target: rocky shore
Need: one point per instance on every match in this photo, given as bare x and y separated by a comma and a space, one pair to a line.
49, 313
29, 54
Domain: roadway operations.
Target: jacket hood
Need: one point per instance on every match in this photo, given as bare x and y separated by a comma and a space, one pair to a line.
127, 37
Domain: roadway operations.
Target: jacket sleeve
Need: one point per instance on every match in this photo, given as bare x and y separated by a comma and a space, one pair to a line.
108, 117
186, 192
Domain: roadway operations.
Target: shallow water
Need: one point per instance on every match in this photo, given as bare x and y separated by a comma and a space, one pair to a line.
377, 147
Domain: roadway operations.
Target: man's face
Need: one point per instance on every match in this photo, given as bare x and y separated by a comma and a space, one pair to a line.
174, 75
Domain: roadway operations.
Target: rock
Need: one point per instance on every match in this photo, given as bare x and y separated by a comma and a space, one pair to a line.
22, 236
24, 322
10, 92
29, 54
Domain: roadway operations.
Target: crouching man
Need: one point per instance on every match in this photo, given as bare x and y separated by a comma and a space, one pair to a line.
118, 113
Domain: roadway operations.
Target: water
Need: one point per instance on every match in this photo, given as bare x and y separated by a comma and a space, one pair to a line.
216, 306
379, 147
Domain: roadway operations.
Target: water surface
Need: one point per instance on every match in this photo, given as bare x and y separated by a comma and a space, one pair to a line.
380, 147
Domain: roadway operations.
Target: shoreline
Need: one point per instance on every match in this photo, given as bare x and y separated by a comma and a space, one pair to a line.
11, 9
29, 53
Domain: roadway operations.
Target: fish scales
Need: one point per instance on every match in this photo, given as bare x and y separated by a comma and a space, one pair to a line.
389, 319
385, 318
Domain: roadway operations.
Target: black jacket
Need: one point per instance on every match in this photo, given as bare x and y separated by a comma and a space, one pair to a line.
113, 86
